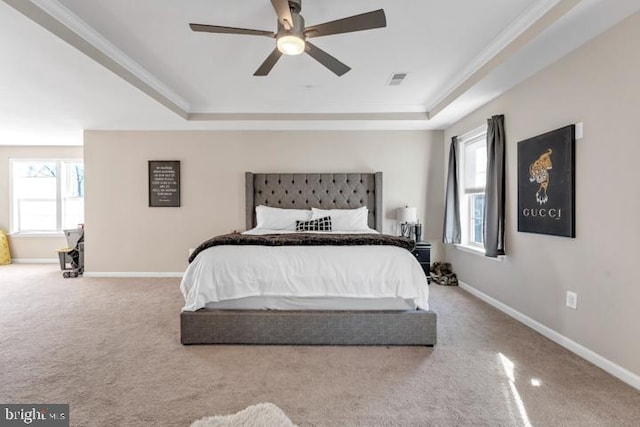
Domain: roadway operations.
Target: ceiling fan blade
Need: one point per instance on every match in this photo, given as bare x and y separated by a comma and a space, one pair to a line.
268, 63
284, 13
364, 21
337, 67
229, 30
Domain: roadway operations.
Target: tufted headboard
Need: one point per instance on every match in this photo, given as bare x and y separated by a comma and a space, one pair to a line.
315, 190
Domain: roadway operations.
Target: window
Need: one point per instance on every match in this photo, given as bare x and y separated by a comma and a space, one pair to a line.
47, 195
473, 156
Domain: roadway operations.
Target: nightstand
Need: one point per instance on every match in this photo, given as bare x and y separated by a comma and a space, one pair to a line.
422, 252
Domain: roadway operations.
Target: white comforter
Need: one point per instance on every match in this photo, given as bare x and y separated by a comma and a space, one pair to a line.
229, 272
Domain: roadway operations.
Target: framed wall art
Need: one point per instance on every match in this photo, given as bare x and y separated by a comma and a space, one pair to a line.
546, 183
164, 183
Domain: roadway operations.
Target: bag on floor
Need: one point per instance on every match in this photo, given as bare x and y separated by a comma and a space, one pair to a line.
5, 255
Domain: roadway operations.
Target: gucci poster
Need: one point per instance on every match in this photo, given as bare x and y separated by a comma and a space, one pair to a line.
546, 183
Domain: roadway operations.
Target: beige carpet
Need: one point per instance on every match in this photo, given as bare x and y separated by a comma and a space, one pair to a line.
110, 348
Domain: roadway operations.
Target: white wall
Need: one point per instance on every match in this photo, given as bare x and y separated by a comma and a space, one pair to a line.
599, 86
123, 234
30, 247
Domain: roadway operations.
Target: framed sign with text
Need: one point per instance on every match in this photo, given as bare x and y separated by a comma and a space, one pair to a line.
546, 183
164, 183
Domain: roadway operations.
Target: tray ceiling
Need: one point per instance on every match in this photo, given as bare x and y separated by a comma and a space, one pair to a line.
116, 64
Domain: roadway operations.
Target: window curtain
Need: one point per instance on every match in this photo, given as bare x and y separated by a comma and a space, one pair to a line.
451, 232
495, 188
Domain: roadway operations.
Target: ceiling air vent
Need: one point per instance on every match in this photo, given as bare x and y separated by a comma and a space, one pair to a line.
396, 79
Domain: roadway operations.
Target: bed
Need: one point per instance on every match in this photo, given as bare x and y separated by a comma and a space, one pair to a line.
394, 314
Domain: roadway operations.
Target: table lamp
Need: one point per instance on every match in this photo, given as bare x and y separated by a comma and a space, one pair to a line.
407, 217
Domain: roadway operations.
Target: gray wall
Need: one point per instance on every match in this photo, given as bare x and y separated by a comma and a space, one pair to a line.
599, 86
123, 234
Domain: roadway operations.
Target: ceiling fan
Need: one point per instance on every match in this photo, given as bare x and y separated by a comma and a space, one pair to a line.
292, 36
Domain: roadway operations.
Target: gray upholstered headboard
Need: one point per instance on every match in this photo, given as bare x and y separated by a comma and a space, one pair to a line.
315, 190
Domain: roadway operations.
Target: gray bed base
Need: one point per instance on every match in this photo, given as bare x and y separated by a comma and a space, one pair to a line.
415, 327
304, 191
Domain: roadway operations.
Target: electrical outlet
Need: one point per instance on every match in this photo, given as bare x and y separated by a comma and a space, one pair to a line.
572, 300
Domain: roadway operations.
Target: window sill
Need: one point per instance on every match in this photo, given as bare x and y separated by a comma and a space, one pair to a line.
477, 251
21, 234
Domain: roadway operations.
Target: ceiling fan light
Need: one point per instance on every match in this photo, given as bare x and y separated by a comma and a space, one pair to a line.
290, 45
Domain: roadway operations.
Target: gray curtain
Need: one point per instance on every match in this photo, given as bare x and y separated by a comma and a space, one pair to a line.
495, 188
451, 232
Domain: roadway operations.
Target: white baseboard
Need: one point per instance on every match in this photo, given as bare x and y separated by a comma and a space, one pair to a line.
35, 261
616, 370
132, 274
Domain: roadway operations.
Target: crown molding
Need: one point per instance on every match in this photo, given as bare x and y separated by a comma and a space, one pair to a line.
204, 116
159, 91
534, 14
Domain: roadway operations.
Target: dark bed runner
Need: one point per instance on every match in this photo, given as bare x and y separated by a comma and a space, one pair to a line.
305, 239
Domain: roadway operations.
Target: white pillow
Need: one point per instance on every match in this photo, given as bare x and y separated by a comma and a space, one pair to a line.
280, 219
345, 219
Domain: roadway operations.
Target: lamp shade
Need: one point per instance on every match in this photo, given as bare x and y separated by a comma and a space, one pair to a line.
407, 214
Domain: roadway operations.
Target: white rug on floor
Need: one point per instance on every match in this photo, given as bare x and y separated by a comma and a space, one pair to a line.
260, 415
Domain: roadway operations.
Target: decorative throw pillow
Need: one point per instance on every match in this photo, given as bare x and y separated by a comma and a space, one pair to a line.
345, 219
320, 224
